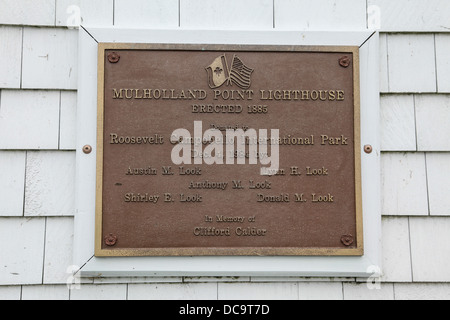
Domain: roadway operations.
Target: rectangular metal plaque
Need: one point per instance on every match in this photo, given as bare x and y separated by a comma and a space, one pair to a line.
165, 189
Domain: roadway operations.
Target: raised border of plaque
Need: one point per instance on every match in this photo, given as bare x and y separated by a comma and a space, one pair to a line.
102, 250
361, 264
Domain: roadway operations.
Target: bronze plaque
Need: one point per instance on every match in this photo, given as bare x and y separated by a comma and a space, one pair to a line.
172, 179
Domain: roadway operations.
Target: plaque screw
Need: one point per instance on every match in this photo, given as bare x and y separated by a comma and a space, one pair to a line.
347, 239
110, 240
368, 148
87, 149
344, 61
113, 57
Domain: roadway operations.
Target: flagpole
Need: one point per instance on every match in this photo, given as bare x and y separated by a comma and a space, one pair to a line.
229, 70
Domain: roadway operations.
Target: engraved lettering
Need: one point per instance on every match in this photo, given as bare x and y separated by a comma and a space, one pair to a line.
148, 171
333, 141
141, 197
189, 171
190, 198
316, 172
233, 94
211, 231
153, 139
138, 94
303, 95
117, 94
237, 184
157, 94
168, 197
167, 171
295, 171
259, 185
322, 198
218, 108
222, 218
299, 197
250, 231
208, 185
128, 96
289, 140
283, 197
332, 95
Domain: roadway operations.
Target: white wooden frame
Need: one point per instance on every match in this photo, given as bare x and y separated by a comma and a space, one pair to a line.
282, 266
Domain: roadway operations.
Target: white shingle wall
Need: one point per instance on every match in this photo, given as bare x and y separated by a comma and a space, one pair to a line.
38, 78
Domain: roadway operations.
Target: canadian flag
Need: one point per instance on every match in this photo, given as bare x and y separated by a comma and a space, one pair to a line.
217, 72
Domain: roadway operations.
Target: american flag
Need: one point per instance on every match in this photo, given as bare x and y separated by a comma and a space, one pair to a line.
240, 73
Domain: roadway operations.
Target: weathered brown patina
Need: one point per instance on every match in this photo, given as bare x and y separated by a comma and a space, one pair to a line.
147, 205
